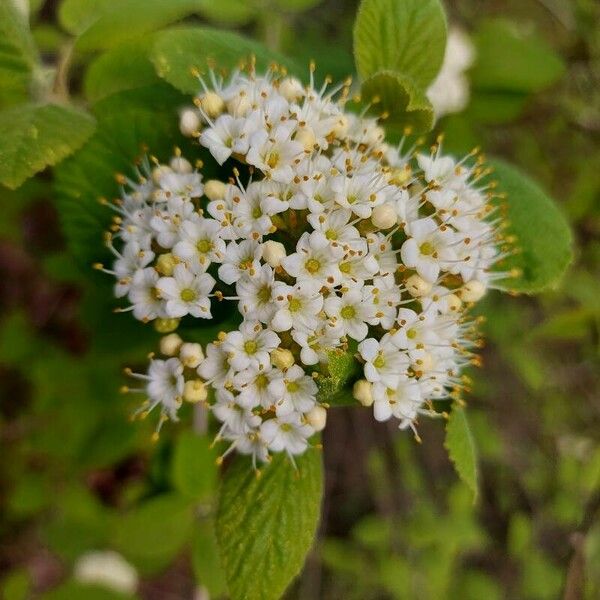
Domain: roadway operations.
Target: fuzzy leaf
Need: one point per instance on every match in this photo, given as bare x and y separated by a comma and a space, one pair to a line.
334, 384
194, 470
35, 136
405, 36
543, 237
461, 448
266, 525
512, 58
178, 51
406, 105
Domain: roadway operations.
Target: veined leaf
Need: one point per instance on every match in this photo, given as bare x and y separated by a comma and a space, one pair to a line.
543, 237
406, 105
461, 448
180, 51
266, 525
35, 136
405, 36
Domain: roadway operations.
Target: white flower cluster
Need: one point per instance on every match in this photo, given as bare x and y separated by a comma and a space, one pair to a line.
337, 241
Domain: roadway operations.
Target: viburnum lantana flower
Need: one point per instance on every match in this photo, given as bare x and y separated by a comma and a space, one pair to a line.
336, 242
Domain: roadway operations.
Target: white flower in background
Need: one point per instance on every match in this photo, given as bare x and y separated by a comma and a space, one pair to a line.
107, 569
330, 240
449, 92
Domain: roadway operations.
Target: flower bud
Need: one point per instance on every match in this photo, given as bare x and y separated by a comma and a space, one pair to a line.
291, 89
417, 286
159, 172
273, 253
166, 325
472, 291
181, 165
384, 216
212, 104
282, 358
316, 417
363, 392
189, 122
214, 189
165, 264
195, 391
191, 355
306, 137
170, 344
453, 303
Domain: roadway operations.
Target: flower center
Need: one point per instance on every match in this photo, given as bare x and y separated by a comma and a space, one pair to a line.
292, 386
411, 334
188, 295
261, 381
331, 234
352, 198
348, 312
272, 159
379, 362
295, 305
204, 246
312, 265
426, 248
250, 347
264, 294
257, 213
345, 267
285, 427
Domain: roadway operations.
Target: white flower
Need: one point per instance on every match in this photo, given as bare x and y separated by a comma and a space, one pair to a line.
131, 259
165, 385
359, 193
249, 347
288, 435
294, 390
235, 418
253, 387
314, 260
401, 402
315, 345
253, 210
215, 367
107, 569
384, 362
226, 136
240, 259
186, 293
256, 294
145, 297
167, 220
297, 307
200, 243
416, 330
275, 152
349, 313
384, 295
173, 185
429, 248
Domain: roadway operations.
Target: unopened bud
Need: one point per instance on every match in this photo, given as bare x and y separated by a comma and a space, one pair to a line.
384, 216
189, 122
165, 264
282, 358
212, 104
170, 344
159, 172
363, 392
453, 303
191, 355
291, 89
166, 325
195, 391
316, 417
472, 291
181, 165
306, 137
417, 286
273, 253
214, 189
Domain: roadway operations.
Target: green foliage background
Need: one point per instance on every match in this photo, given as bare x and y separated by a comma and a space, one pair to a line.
77, 476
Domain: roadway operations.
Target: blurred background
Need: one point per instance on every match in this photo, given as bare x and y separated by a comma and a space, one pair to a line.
91, 508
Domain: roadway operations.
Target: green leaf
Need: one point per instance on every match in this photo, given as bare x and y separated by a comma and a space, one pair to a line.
232, 12
543, 237
18, 55
74, 589
126, 122
334, 384
461, 448
266, 525
406, 36
152, 534
513, 58
205, 559
34, 137
122, 68
194, 470
179, 51
406, 105
101, 25
75, 16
